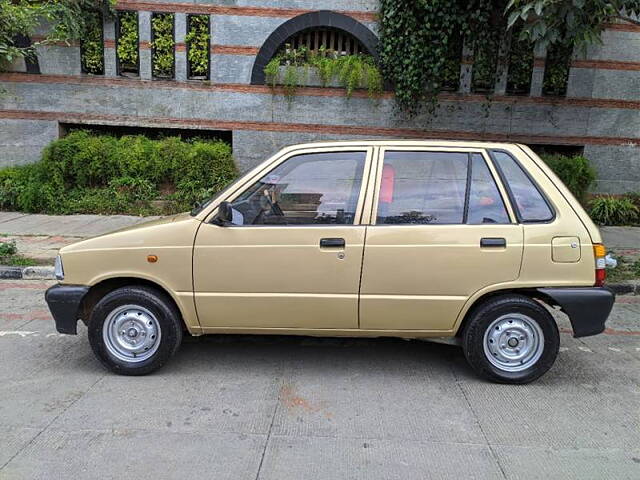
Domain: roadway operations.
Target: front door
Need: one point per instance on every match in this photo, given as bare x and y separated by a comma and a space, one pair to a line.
441, 231
293, 256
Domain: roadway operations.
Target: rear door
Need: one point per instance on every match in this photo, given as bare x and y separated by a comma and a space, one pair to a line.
441, 230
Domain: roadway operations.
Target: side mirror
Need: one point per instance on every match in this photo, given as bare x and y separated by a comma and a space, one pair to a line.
224, 215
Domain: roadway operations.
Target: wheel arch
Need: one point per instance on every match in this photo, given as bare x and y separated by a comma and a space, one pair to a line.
481, 297
101, 288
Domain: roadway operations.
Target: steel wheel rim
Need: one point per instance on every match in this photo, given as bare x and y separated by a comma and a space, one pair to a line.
131, 333
513, 342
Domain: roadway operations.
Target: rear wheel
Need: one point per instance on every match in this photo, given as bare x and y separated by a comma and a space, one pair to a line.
511, 339
134, 330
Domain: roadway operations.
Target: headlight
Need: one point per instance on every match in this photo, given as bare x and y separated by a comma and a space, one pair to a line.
57, 268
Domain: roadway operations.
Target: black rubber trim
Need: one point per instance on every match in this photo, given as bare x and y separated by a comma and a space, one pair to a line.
64, 303
587, 308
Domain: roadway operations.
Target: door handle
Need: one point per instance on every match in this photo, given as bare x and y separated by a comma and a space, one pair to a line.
332, 243
493, 242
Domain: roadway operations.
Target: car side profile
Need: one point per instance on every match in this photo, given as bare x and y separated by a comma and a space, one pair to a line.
411, 239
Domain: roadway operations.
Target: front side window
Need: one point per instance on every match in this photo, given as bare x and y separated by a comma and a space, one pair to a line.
529, 202
310, 189
422, 188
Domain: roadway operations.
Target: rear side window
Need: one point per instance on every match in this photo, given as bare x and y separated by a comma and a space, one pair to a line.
485, 202
529, 202
422, 188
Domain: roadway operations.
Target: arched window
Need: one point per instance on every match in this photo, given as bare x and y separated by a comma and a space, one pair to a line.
334, 30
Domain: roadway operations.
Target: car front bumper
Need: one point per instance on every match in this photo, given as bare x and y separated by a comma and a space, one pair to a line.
64, 302
587, 307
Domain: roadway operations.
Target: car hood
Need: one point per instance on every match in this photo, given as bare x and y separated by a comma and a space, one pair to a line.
149, 233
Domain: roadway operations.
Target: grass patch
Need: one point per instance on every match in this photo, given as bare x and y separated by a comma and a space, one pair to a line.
627, 269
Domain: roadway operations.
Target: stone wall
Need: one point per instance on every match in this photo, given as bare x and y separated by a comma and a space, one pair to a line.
601, 111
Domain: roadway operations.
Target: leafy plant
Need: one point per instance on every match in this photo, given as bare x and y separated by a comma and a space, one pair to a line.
567, 22
351, 71
127, 34
8, 248
87, 173
92, 46
197, 39
610, 210
575, 172
69, 20
163, 45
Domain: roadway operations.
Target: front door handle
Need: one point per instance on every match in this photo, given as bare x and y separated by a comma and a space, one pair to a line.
493, 242
332, 243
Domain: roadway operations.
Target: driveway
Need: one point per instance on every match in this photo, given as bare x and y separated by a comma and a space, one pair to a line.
284, 408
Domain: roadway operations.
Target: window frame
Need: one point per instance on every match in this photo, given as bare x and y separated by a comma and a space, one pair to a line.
372, 212
249, 180
510, 194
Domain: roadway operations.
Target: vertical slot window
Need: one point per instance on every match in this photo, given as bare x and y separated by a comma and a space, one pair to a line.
556, 70
163, 45
520, 64
198, 41
92, 46
127, 54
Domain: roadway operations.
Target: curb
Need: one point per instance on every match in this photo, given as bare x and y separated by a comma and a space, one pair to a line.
26, 273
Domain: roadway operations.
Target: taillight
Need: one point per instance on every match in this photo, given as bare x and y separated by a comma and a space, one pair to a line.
599, 252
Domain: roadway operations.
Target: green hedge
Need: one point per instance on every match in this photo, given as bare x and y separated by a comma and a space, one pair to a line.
87, 173
576, 172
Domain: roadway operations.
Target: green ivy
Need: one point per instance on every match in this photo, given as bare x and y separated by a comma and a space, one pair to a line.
163, 45
128, 41
92, 46
198, 45
351, 71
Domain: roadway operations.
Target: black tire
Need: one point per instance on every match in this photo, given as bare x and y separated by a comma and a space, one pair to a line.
166, 315
482, 317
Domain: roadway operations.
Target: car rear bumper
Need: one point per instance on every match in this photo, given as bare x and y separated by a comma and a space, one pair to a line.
587, 307
64, 302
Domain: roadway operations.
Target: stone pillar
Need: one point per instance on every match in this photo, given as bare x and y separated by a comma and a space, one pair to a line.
180, 28
537, 77
109, 28
212, 34
466, 68
144, 41
502, 69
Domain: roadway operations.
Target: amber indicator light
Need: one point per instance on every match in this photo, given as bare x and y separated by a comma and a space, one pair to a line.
152, 258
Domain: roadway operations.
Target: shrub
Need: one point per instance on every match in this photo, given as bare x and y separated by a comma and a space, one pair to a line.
86, 173
609, 210
576, 172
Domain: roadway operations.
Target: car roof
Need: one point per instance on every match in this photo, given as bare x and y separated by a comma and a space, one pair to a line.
405, 143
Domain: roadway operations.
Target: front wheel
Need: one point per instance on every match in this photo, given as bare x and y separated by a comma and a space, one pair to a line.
511, 339
134, 330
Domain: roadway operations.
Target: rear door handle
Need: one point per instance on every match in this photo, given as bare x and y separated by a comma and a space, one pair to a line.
493, 242
332, 243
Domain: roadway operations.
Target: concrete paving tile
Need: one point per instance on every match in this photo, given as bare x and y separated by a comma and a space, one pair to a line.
118, 454
312, 458
380, 389
587, 400
521, 463
12, 440
10, 216
207, 386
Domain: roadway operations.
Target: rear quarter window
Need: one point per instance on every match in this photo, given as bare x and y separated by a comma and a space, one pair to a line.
529, 202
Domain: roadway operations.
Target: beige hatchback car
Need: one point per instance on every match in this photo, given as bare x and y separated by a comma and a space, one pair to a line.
411, 239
